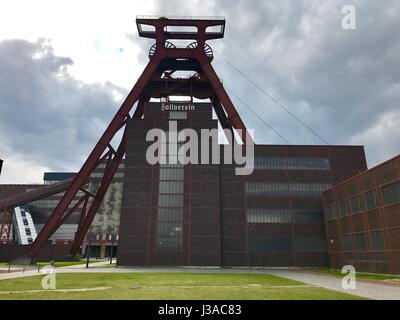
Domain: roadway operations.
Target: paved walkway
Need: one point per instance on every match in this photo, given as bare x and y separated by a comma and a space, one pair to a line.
365, 289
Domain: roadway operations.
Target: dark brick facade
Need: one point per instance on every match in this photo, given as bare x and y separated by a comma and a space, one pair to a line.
272, 217
362, 217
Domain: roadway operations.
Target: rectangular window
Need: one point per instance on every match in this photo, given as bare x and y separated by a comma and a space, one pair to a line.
343, 208
361, 242
347, 242
308, 189
269, 163
169, 235
285, 189
167, 173
171, 187
370, 199
267, 216
331, 212
276, 163
391, 193
178, 115
170, 214
355, 204
377, 240
169, 200
264, 188
308, 164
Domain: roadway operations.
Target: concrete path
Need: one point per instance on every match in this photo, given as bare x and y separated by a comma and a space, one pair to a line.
365, 289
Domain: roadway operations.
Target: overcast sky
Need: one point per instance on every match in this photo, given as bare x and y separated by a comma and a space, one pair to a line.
65, 67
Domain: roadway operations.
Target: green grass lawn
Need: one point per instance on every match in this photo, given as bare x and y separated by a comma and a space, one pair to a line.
169, 286
360, 275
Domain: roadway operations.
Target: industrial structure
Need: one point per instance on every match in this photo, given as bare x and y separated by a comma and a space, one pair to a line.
179, 214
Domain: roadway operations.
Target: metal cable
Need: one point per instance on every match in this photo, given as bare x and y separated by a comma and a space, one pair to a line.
272, 98
256, 114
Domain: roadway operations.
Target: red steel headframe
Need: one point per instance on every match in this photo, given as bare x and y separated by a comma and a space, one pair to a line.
161, 30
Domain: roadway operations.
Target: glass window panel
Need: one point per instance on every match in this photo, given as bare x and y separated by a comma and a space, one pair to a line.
331, 212
343, 208
355, 204
178, 115
171, 173
361, 242
268, 216
347, 242
169, 200
170, 214
391, 193
169, 235
377, 240
370, 199
171, 187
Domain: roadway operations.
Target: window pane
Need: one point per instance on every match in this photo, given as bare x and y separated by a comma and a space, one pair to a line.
169, 235
285, 189
171, 187
343, 208
391, 193
169, 200
291, 163
377, 240
355, 204
171, 173
347, 242
331, 212
178, 115
170, 214
267, 216
361, 242
370, 199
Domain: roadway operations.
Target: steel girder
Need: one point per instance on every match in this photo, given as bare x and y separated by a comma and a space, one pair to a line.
103, 151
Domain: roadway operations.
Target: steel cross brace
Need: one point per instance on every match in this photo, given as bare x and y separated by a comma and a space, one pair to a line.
90, 164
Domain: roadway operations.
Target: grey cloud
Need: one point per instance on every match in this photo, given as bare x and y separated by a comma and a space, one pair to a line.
341, 83
344, 84
47, 116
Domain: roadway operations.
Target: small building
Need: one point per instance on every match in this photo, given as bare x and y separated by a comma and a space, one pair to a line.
362, 220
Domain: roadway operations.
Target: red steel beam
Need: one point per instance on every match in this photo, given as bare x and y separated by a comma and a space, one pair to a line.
230, 109
109, 172
94, 157
97, 156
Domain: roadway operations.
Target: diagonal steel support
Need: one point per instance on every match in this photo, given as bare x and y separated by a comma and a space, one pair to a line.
94, 158
109, 171
233, 116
